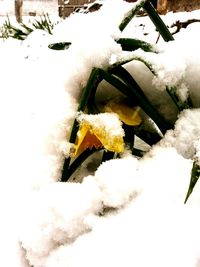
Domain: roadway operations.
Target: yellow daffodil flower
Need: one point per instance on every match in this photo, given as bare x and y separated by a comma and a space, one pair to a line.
128, 115
102, 130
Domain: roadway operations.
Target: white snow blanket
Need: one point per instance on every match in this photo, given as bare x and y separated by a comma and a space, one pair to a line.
131, 211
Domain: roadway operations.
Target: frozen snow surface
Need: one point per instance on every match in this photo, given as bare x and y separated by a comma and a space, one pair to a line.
131, 211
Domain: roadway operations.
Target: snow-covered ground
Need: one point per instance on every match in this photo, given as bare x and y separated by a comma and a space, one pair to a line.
131, 211
38, 6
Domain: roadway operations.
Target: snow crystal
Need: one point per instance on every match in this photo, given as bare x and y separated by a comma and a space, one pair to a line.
185, 133
108, 122
56, 215
197, 149
142, 226
119, 185
166, 180
169, 67
160, 99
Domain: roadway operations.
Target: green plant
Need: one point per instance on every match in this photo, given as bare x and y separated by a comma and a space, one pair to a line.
195, 174
21, 31
122, 80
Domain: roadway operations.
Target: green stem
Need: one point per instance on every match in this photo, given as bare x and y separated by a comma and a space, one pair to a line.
181, 105
107, 155
130, 14
77, 163
195, 173
157, 21
65, 171
136, 92
59, 46
129, 136
93, 81
91, 86
148, 137
129, 44
119, 85
137, 152
131, 58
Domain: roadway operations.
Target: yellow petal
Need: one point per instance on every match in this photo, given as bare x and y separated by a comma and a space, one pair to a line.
97, 135
110, 142
129, 115
86, 139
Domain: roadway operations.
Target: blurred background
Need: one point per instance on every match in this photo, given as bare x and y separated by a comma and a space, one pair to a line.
30, 7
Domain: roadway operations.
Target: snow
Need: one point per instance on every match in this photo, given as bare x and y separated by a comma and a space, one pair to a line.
130, 211
109, 122
38, 6
50, 213
185, 134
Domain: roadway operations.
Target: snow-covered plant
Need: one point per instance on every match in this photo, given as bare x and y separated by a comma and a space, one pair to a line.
92, 138
21, 31
115, 90
91, 133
